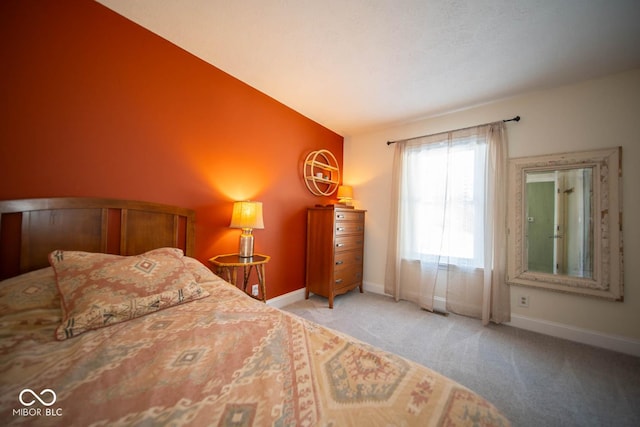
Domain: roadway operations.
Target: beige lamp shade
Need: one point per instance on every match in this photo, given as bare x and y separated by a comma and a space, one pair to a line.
247, 215
345, 193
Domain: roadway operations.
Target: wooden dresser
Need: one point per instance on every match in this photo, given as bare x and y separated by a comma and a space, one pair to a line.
335, 245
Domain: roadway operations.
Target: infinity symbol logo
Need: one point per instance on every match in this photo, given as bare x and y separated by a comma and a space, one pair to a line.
36, 397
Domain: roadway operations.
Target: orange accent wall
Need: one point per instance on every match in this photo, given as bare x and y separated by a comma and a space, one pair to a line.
92, 104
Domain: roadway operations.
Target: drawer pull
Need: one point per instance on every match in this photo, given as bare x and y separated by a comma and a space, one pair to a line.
339, 245
340, 228
338, 281
339, 262
340, 216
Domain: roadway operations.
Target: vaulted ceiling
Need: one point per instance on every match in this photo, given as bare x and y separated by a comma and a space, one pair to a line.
358, 65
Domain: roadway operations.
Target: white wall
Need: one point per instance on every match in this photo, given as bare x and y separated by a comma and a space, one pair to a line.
588, 115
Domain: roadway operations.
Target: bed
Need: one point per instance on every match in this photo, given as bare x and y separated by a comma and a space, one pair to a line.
106, 319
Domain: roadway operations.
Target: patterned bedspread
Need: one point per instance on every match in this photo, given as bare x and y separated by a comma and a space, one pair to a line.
223, 360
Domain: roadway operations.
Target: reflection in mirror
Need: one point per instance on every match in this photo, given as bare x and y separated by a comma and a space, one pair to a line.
565, 223
559, 227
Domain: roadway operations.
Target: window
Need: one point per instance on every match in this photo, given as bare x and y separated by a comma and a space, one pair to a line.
444, 189
448, 222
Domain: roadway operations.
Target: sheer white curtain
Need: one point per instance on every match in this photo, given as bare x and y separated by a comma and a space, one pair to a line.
448, 222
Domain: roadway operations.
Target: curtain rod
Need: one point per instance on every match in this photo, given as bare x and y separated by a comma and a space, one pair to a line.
515, 119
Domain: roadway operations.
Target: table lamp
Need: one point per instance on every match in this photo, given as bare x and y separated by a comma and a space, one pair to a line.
247, 216
345, 194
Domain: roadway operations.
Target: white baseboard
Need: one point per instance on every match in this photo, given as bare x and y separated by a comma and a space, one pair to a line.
559, 330
298, 295
286, 299
374, 288
572, 333
439, 303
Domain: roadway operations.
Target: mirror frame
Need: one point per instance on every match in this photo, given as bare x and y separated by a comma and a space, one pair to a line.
607, 280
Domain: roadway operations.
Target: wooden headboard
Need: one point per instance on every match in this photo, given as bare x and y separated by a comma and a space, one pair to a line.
31, 228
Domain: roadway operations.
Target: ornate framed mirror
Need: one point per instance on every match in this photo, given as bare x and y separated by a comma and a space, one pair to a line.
565, 223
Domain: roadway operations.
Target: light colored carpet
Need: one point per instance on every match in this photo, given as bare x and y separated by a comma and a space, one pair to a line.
534, 379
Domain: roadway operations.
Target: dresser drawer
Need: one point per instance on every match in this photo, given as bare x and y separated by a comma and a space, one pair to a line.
346, 227
348, 243
347, 278
347, 259
349, 216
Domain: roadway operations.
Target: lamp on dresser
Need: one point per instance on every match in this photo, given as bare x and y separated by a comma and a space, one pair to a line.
246, 215
345, 194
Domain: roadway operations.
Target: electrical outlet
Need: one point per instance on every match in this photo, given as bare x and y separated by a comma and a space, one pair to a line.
523, 301
254, 290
